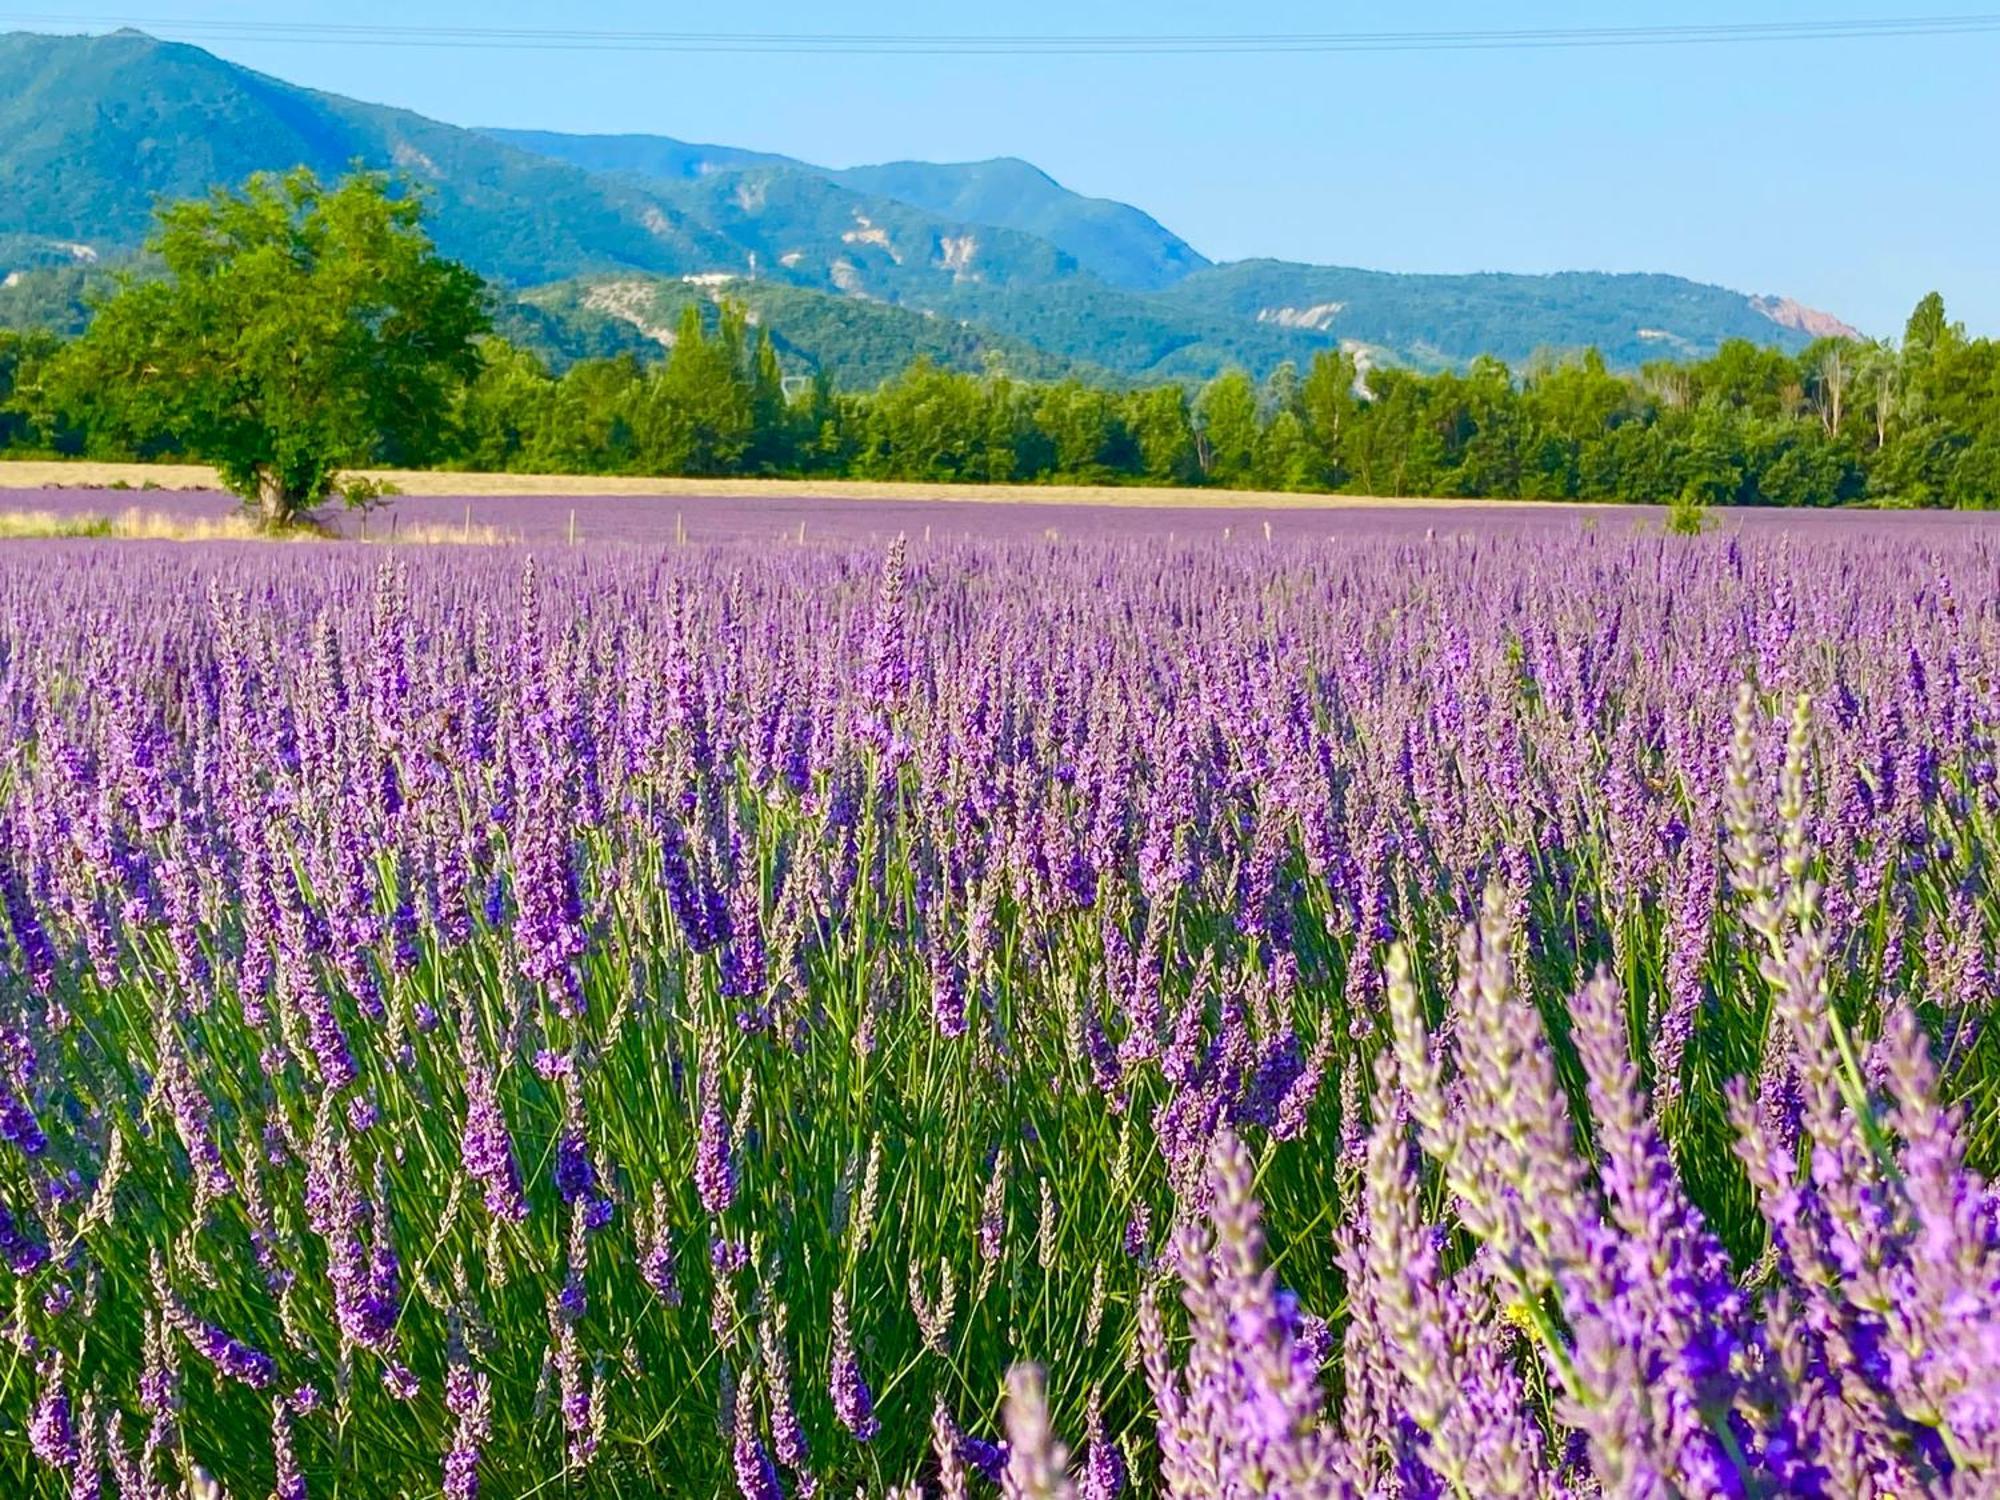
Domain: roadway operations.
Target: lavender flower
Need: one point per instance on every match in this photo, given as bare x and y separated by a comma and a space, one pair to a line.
1103, 1461
51, 1432
23, 1251
852, 1402
1036, 1460
714, 1171
486, 1148
756, 1475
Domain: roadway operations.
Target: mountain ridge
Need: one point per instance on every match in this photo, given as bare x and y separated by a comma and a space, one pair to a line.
94, 131
1123, 246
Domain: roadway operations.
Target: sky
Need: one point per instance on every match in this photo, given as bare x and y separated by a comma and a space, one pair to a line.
1851, 175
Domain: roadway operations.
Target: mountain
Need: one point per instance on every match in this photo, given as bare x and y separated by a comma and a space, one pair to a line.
1115, 242
856, 342
657, 158
856, 270
50, 298
1446, 320
95, 130
797, 227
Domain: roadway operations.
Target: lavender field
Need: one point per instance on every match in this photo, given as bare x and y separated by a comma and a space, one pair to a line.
1406, 1010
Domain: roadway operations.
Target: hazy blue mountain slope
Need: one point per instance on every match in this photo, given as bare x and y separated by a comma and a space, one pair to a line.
646, 156
1118, 243
96, 131
1114, 241
803, 228
1452, 319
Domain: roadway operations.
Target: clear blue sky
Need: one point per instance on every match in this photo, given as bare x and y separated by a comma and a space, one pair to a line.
1852, 175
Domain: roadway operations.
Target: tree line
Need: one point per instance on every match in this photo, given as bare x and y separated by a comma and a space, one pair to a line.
301, 329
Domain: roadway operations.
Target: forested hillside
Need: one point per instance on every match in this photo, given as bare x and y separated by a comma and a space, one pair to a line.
94, 131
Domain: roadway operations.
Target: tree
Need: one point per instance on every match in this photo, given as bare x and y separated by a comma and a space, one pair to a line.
1829, 365
699, 415
1327, 403
299, 329
1163, 431
20, 354
1226, 418
928, 424
502, 417
1082, 428
1928, 329
593, 423
1879, 373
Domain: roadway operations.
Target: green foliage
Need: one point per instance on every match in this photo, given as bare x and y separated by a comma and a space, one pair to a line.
1226, 429
857, 342
1162, 429
51, 299
298, 330
21, 355
1688, 515
209, 366
360, 491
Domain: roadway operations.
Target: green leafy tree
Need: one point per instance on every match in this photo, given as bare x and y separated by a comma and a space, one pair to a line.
1494, 449
20, 355
1397, 447
1087, 440
298, 329
1928, 330
1327, 407
774, 430
693, 416
1741, 374
827, 425
928, 424
1226, 421
598, 417
504, 415
1162, 429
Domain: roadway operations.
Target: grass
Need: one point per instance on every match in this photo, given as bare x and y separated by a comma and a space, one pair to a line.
41, 474
137, 525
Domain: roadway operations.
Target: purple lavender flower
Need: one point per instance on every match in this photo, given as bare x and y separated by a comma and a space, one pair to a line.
1103, 1460
1139, 1232
574, 1176
290, 1483
656, 1250
51, 1432
852, 1402
23, 1251
756, 1476
461, 1474
18, 1126
549, 927
788, 1437
1036, 1459
486, 1148
714, 1171
230, 1356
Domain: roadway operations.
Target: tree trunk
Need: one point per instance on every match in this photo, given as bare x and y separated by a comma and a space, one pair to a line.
275, 504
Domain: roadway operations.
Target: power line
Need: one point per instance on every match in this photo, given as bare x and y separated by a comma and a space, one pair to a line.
941, 44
